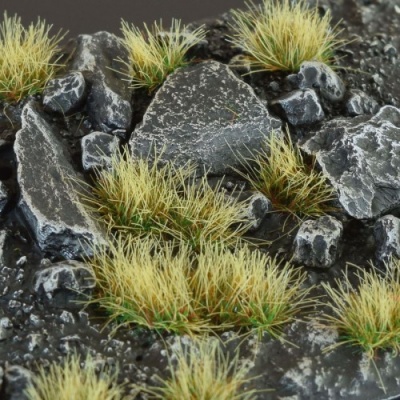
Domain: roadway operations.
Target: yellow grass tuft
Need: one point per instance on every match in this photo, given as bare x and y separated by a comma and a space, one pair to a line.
368, 317
139, 199
27, 58
281, 35
293, 186
203, 371
166, 286
154, 53
69, 381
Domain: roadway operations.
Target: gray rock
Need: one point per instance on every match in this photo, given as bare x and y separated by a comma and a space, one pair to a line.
16, 380
97, 150
203, 114
6, 328
387, 236
300, 107
360, 157
317, 75
65, 95
49, 198
255, 207
72, 276
316, 242
4, 270
108, 102
1, 378
360, 103
3, 196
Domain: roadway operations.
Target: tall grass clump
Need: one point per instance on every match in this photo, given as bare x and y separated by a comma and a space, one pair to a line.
282, 34
27, 58
369, 316
168, 287
155, 53
294, 186
163, 201
68, 380
203, 371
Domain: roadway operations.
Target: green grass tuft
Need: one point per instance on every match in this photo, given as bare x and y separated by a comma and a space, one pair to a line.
280, 172
27, 58
68, 380
154, 53
203, 371
143, 200
168, 287
281, 35
368, 317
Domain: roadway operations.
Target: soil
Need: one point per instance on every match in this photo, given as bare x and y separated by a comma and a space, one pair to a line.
44, 332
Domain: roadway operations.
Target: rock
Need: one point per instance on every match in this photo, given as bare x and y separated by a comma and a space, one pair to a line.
387, 236
3, 196
109, 99
4, 270
299, 107
48, 200
360, 157
255, 207
97, 150
1, 378
71, 277
316, 242
360, 103
6, 328
317, 75
206, 115
16, 380
65, 95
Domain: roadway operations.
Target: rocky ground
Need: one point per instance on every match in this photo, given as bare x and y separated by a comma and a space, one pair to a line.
349, 119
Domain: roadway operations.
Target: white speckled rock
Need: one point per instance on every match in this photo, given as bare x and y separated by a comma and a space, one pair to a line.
387, 236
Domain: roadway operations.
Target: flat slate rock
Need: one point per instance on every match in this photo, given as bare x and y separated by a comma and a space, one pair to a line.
206, 115
48, 200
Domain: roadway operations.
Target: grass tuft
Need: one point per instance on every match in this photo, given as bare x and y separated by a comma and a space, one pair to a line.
368, 317
282, 34
293, 186
154, 53
143, 200
203, 371
27, 58
69, 381
167, 287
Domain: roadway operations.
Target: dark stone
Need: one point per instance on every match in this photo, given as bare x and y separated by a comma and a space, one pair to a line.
387, 236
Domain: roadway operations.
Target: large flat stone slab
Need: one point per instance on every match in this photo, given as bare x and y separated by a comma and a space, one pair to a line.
48, 198
203, 114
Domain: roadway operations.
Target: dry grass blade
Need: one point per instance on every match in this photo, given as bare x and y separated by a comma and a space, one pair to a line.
280, 35
27, 58
203, 371
154, 53
248, 289
293, 186
71, 381
368, 317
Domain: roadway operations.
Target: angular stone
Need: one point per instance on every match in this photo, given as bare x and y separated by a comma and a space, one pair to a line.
255, 207
16, 380
300, 107
3, 196
203, 114
97, 150
387, 236
69, 275
65, 95
360, 103
6, 330
316, 242
317, 75
360, 157
49, 198
109, 99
